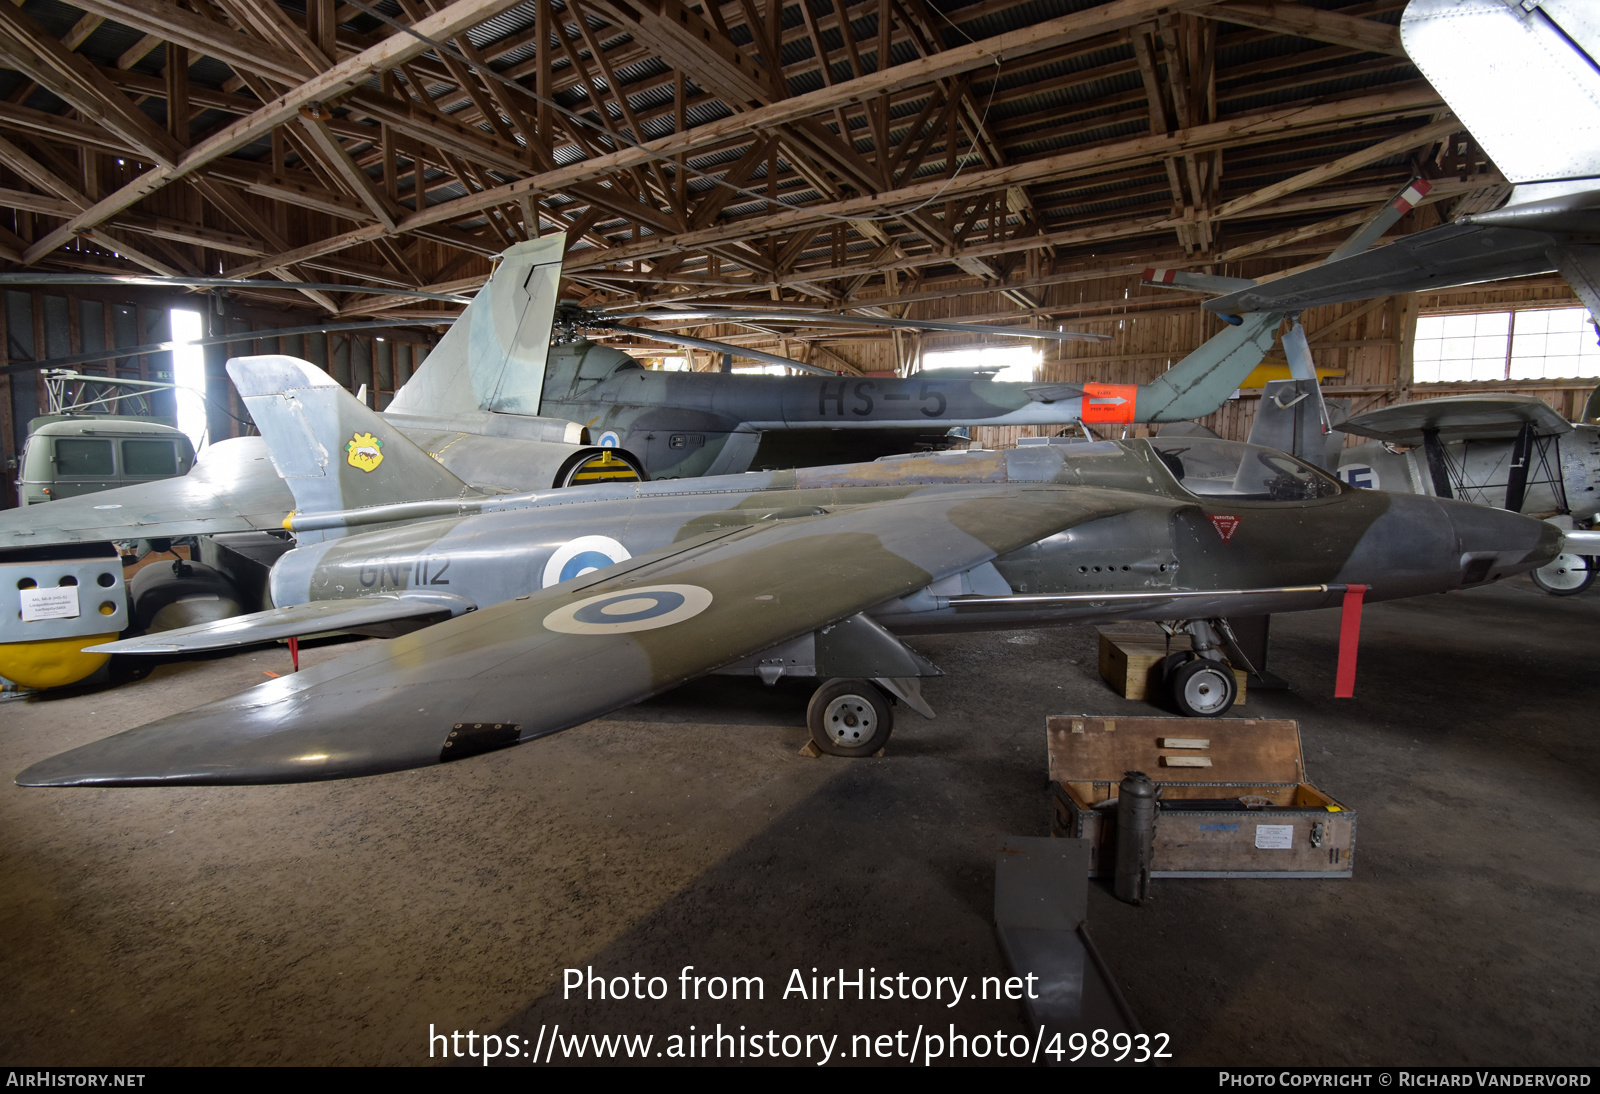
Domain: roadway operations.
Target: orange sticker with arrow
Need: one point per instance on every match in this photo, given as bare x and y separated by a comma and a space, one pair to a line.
1109, 402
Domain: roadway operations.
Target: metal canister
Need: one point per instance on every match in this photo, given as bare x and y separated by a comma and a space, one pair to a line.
1136, 830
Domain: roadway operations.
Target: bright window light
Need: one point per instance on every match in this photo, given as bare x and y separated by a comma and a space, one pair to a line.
1554, 344
1486, 346
672, 364
1015, 363
189, 372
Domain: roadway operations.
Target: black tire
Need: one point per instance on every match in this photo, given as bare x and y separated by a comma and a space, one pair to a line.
1170, 664
849, 718
1203, 688
167, 596
1567, 575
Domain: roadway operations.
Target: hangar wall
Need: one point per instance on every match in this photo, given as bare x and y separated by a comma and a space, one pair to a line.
38, 327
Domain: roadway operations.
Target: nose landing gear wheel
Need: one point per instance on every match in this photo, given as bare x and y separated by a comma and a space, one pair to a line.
1567, 575
1203, 688
849, 718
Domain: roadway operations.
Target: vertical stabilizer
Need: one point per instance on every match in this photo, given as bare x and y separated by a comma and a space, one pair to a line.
333, 452
1203, 380
1289, 418
493, 358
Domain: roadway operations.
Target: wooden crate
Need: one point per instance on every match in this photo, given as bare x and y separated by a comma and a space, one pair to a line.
1128, 661
1299, 831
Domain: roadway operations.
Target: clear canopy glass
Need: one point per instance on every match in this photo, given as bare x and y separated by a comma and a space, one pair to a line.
1214, 468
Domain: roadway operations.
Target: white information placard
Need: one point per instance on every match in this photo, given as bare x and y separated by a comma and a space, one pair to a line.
1275, 837
57, 603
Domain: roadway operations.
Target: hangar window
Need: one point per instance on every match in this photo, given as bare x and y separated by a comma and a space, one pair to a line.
1544, 344
189, 370
1018, 363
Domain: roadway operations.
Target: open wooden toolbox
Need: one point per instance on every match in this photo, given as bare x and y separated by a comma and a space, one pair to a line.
1233, 798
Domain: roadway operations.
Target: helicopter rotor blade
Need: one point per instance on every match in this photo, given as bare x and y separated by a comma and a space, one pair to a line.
719, 347
732, 314
220, 283
92, 356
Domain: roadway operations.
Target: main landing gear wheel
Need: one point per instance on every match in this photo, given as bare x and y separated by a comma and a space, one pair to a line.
1203, 688
1567, 575
167, 596
849, 718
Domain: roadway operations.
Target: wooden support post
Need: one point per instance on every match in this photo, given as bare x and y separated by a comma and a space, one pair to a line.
1406, 327
177, 76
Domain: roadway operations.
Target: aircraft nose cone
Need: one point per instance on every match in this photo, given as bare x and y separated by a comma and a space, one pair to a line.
1497, 544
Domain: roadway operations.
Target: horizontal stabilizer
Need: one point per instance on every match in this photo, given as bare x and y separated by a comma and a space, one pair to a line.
233, 488
1054, 393
293, 621
1463, 253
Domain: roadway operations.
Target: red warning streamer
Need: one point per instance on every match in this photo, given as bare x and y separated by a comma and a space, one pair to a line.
294, 653
1344, 686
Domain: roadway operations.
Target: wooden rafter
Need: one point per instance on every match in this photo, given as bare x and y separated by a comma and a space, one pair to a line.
839, 176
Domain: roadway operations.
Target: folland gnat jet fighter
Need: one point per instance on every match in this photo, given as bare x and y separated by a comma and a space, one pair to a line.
1508, 451
541, 611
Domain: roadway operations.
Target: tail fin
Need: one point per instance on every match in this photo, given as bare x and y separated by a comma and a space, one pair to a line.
333, 452
1203, 380
493, 358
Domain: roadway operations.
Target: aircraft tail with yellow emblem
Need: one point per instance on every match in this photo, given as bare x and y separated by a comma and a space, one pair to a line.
334, 453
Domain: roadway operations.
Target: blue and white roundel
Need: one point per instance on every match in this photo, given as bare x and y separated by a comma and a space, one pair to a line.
609, 439
580, 556
630, 610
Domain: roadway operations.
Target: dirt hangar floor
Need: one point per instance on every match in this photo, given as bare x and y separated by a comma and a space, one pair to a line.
333, 923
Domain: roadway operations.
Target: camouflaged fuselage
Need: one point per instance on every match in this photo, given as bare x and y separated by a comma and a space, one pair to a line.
1138, 530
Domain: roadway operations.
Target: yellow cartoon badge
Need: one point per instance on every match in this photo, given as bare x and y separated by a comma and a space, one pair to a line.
366, 451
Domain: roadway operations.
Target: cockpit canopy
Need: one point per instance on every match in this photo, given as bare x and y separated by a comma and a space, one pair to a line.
1215, 468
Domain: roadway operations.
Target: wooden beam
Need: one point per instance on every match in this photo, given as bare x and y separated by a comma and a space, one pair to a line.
1295, 235
169, 22
348, 74
1011, 45
1426, 134
41, 176
137, 52
1308, 22
357, 180
1203, 138
75, 80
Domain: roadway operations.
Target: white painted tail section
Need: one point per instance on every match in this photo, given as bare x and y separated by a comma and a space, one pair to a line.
493, 358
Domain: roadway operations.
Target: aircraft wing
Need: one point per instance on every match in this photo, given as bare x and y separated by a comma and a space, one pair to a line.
233, 487
1459, 417
293, 621
562, 656
1462, 253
